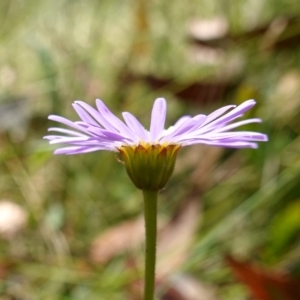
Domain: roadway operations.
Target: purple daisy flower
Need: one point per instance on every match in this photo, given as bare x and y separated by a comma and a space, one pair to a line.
101, 130
149, 155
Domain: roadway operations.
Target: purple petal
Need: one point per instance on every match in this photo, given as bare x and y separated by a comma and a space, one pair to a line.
233, 114
194, 123
235, 144
96, 115
67, 122
135, 126
237, 124
90, 143
79, 149
66, 150
171, 129
114, 121
182, 120
67, 140
217, 113
67, 131
105, 133
85, 117
158, 118
52, 137
239, 135
185, 128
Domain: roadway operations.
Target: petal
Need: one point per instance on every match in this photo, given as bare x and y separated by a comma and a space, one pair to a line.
185, 128
55, 139
158, 118
79, 149
135, 126
237, 124
66, 150
114, 121
221, 137
236, 144
96, 115
233, 114
181, 120
102, 133
171, 129
67, 131
239, 135
67, 122
85, 117
65, 140
217, 113
52, 137
192, 124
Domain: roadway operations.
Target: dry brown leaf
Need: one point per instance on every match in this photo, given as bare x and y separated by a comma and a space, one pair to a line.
188, 288
179, 287
175, 238
117, 239
265, 285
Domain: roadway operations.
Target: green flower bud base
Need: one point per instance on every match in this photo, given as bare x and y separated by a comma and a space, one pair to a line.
149, 166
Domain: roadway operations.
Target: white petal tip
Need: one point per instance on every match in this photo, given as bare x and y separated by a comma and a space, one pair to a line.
78, 102
160, 99
250, 102
98, 101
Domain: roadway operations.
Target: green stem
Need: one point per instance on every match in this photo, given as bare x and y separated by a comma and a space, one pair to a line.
150, 211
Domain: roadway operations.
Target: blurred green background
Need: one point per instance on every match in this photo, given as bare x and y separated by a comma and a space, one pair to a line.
70, 225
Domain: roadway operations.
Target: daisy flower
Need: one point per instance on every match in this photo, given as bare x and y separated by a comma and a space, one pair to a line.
149, 155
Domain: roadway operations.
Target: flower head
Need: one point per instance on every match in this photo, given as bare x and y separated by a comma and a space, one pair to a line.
151, 151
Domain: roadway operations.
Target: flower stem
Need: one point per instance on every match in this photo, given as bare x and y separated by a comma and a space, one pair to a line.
150, 211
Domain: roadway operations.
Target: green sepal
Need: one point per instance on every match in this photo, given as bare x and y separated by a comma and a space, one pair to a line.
149, 166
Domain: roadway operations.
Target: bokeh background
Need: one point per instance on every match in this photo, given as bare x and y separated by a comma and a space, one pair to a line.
71, 227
